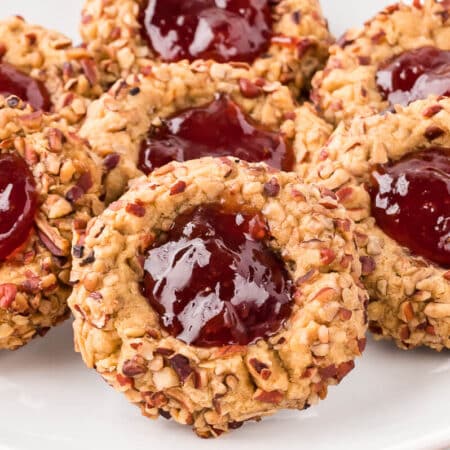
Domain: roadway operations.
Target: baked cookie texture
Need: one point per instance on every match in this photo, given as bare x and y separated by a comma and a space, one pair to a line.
298, 48
69, 73
216, 389
410, 297
347, 86
117, 123
34, 280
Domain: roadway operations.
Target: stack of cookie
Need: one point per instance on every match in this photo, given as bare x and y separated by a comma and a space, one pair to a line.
222, 242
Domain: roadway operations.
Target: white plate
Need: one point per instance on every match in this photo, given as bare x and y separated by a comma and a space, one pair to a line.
393, 400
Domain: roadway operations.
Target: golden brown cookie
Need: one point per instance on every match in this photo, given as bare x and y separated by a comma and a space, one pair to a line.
284, 41
360, 77
392, 174
220, 367
48, 182
140, 107
44, 69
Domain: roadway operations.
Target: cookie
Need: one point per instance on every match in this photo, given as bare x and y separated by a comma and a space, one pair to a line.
392, 173
284, 41
48, 181
181, 111
42, 68
401, 55
262, 307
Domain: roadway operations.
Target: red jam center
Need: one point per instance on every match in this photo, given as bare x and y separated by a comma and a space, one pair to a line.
414, 75
411, 202
217, 129
214, 281
222, 30
14, 82
18, 202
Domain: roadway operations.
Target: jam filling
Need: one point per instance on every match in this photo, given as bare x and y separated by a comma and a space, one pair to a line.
222, 30
31, 91
18, 203
414, 75
411, 202
217, 129
215, 282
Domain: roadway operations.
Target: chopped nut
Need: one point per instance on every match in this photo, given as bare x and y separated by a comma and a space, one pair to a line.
55, 139
8, 293
327, 256
259, 366
408, 311
438, 310
249, 89
320, 349
135, 366
181, 366
272, 188
135, 209
111, 161
432, 111
345, 314
328, 372
178, 188
165, 379
274, 397
344, 369
433, 132
368, 265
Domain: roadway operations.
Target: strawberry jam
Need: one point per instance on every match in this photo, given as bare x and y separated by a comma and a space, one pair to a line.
414, 75
31, 91
18, 202
411, 202
215, 282
222, 30
217, 129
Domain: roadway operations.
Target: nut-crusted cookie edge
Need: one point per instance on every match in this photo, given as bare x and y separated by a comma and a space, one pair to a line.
34, 280
298, 48
347, 85
69, 73
410, 296
216, 389
118, 122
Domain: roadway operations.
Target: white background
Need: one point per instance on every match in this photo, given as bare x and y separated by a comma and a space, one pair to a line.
48, 400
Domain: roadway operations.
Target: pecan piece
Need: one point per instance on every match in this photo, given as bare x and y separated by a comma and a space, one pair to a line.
344, 369
327, 256
258, 365
178, 188
272, 188
432, 111
181, 366
249, 89
111, 161
51, 238
135, 209
134, 366
368, 265
8, 293
362, 344
433, 132
328, 372
274, 397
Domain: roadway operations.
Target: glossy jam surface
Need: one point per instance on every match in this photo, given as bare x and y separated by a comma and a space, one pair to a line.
414, 75
222, 30
18, 202
411, 202
14, 82
217, 129
215, 282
